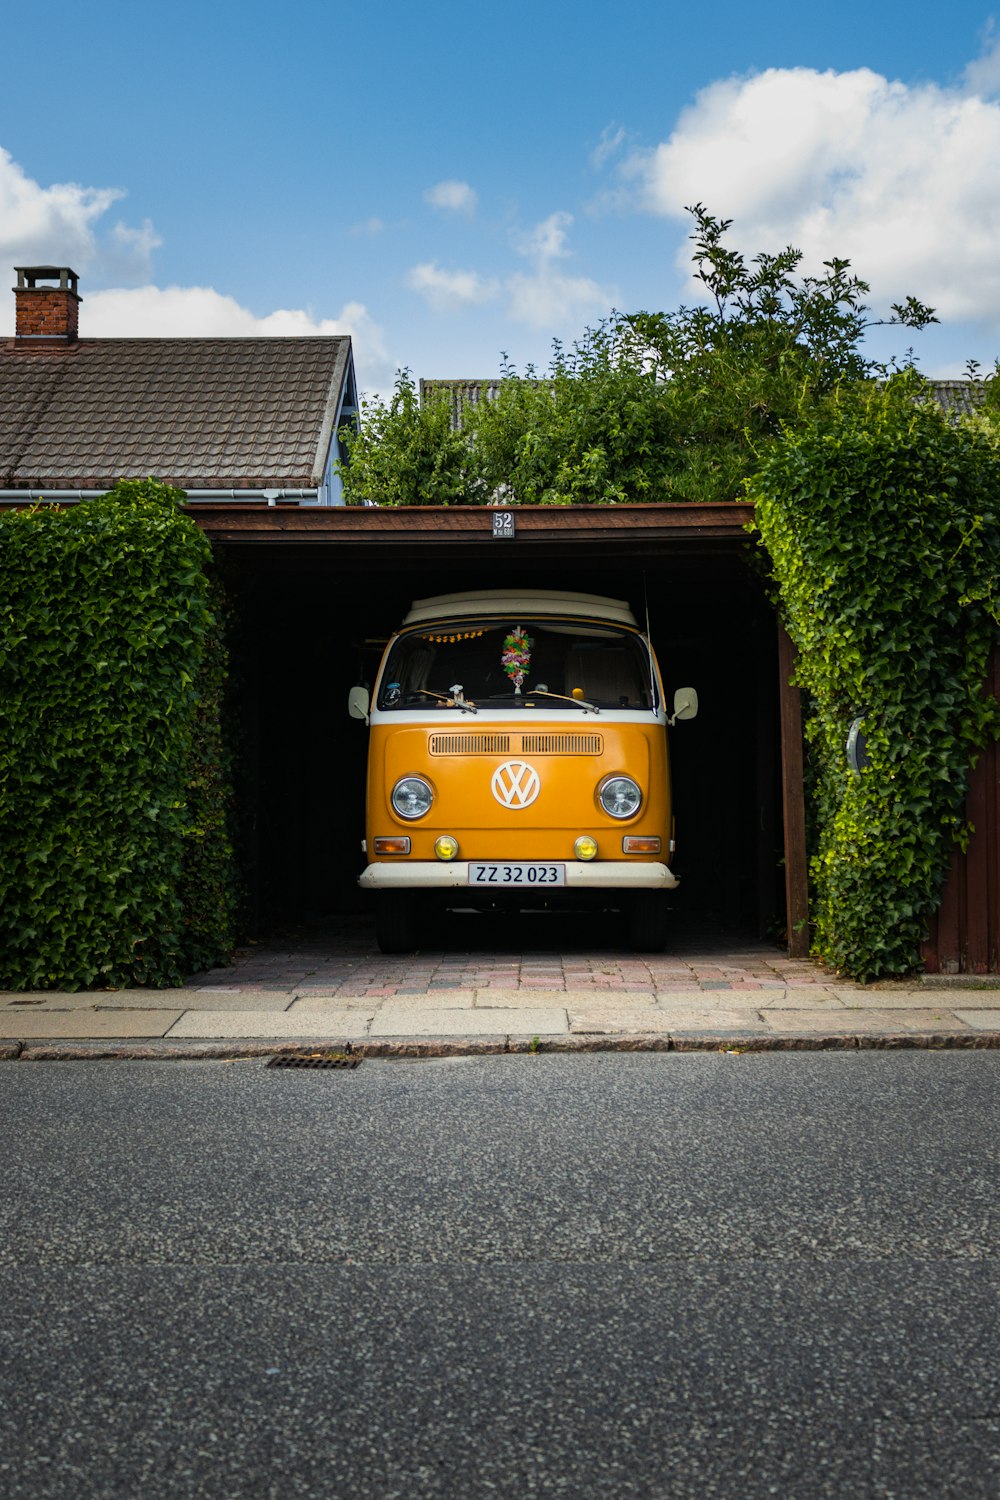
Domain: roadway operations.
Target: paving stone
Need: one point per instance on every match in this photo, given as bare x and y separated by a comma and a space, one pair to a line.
709, 1001
47, 1000
307, 1001
939, 1019
396, 1020
980, 1020
181, 1000
315, 1023
436, 999
97, 1024
684, 1019
876, 999
619, 1020
801, 998
583, 1002
861, 1022
990, 1000
337, 982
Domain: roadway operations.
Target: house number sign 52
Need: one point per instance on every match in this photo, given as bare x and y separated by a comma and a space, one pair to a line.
503, 524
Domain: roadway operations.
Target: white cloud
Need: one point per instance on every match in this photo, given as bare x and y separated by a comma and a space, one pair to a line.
127, 253
192, 311
449, 291
456, 197
547, 240
904, 181
546, 297
202, 312
59, 225
612, 140
982, 76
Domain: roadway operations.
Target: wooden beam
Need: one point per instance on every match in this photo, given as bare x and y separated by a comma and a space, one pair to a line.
793, 800
446, 527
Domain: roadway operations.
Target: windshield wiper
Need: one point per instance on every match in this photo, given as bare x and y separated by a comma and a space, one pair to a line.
452, 702
563, 698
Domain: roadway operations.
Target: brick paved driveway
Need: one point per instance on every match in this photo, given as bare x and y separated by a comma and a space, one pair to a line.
531, 951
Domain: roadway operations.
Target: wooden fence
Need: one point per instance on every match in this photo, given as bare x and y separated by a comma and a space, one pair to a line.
965, 934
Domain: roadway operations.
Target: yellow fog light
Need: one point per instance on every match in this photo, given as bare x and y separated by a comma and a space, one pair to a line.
446, 847
585, 847
633, 843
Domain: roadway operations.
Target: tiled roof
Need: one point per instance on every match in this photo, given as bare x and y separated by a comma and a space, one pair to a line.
957, 398
461, 394
197, 413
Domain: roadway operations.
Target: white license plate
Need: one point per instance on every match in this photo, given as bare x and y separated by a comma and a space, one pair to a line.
519, 875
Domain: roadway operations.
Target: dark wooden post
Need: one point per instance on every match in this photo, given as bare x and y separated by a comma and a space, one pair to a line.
793, 801
964, 936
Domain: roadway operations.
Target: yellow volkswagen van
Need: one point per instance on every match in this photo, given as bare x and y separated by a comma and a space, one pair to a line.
518, 756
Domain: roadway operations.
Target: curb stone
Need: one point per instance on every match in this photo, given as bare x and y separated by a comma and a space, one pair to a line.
959, 982
417, 1049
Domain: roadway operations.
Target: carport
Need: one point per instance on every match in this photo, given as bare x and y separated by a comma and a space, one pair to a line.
317, 591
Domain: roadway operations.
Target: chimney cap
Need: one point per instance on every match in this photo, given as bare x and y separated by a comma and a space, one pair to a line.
29, 276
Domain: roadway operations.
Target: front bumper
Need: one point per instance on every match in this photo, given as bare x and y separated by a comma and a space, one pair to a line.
435, 875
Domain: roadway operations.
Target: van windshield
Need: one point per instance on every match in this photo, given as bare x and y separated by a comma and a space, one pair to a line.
521, 663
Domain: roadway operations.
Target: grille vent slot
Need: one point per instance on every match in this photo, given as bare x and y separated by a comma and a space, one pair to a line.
562, 744
469, 744
531, 744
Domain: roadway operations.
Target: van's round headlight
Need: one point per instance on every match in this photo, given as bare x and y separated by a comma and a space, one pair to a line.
412, 797
620, 796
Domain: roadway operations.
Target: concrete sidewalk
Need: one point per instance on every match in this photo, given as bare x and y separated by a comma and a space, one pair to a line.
333, 990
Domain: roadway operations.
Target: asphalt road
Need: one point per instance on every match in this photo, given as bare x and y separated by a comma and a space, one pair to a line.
667, 1276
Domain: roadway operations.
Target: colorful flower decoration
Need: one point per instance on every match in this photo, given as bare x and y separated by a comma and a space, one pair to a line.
516, 656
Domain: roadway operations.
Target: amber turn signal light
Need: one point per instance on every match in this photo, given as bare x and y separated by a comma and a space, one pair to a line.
634, 843
397, 845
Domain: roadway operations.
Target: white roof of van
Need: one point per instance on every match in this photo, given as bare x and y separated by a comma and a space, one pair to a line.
521, 601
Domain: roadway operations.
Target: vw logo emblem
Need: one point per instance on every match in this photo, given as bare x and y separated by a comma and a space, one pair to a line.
515, 783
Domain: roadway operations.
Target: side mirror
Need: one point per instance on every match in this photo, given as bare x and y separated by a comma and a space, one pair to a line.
358, 703
685, 704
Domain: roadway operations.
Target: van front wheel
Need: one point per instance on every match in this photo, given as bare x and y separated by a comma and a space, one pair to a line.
395, 922
648, 917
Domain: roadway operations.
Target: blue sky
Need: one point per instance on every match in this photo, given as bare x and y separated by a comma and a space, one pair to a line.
447, 186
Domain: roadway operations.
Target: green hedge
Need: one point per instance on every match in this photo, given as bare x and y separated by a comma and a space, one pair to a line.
115, 866
882, 521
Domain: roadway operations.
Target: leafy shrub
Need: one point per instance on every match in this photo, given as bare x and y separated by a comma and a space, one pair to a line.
645, 407
882, 521
115, 865
407, 454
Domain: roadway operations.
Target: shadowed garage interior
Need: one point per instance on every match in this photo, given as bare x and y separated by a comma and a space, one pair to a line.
310, 621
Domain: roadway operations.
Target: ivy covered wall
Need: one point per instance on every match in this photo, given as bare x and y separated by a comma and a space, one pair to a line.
115, 865
881, 518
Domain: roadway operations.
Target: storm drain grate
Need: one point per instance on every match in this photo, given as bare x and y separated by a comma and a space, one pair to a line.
314, 1060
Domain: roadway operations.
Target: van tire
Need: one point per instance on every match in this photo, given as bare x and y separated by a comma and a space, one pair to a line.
395, 922
648, 918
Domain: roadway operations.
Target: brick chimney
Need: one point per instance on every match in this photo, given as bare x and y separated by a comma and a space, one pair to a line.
46, 314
